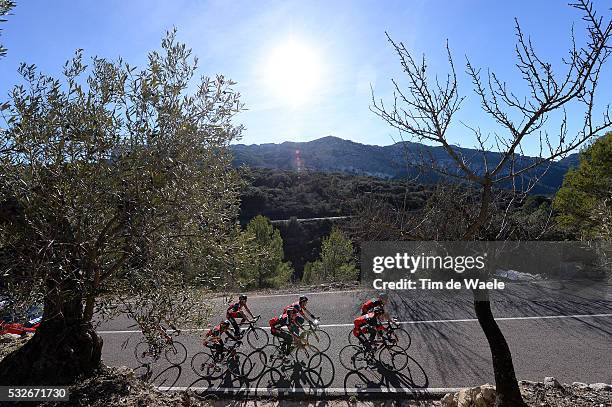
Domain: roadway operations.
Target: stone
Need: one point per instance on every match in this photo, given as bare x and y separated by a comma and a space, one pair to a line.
551, 383
580, 385
600, 387
449, 400
488, 393
467, 397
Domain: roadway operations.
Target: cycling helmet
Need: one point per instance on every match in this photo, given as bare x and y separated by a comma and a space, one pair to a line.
383, 296
242, 297
225, 323
303, 298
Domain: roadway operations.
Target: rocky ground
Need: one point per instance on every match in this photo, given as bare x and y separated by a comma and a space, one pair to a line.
9, 342
120, 387
549, 393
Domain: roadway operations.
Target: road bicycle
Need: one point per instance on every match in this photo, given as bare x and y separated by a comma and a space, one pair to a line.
173, 351
300, 350
383, 350
317, 336
313, 335
212, 364
300, 355
256, 337
394, 333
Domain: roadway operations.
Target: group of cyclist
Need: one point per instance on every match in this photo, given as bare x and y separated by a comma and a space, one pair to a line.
289, 323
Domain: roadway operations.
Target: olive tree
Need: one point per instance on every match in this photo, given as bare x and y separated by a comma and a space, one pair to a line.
117, 181
426, 107
5, 8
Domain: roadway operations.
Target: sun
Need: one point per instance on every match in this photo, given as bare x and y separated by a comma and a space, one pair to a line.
293, 71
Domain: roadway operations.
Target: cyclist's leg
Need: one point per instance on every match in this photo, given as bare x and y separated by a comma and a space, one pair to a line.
364, 341
232, 319
216, 350
286, 341
373, 332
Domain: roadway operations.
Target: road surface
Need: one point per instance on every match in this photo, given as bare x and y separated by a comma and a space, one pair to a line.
552, 331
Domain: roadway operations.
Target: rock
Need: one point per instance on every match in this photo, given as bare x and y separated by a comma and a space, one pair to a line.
487, 396
475, 398
449, 400
580, 385
551, 383
466, 397
483, 396
600, 387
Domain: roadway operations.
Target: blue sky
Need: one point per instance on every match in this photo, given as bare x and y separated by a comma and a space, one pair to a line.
345, 40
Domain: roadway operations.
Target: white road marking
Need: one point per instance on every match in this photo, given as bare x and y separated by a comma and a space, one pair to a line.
307, 293
317, 391
434, 321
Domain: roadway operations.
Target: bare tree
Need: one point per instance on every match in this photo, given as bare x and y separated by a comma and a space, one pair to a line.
426, 108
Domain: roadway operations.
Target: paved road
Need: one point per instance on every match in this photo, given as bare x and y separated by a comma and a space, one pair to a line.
552, 331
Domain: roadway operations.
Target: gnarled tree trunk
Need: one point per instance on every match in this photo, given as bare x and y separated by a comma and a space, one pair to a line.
64, 347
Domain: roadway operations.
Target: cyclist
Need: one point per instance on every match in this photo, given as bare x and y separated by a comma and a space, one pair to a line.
381, 301
214, 337
300, 307
287, 320
368, 324
236, 311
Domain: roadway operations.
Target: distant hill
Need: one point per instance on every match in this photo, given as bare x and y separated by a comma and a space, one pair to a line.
333, 154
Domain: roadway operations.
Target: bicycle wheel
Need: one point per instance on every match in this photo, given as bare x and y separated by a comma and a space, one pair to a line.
393, 358
144, 353
302, 354
352, 357
176, 353
239, 365
321, 370
274, 357
259, 362
320, 339
257, 337
205, 365
403, 337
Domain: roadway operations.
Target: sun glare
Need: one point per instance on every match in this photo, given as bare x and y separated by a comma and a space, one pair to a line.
292, 71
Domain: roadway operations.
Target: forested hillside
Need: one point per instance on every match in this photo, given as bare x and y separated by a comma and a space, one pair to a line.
291, 195
282, 194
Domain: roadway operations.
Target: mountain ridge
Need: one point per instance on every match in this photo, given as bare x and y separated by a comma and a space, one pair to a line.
394, 161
